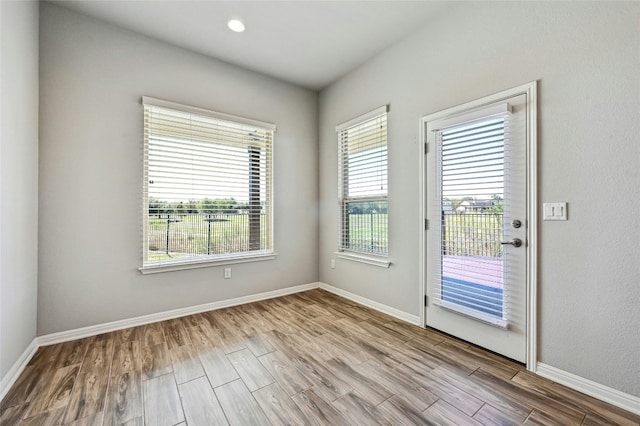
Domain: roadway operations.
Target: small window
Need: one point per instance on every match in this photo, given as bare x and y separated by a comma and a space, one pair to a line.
362, 188
207, 186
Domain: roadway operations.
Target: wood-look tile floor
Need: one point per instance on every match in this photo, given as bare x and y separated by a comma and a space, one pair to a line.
310, 358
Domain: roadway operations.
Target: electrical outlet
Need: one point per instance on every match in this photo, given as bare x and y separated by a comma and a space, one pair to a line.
333, 264
227, 273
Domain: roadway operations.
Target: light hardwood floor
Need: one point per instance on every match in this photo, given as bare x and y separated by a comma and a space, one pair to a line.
311, 358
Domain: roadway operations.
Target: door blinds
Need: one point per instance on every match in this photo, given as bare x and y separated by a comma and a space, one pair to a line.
471, 198
207, 184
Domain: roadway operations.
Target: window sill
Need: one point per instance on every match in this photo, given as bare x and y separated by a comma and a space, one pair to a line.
381, 262
179, 266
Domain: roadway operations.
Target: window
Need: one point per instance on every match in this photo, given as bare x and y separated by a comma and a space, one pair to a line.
362, 188
471, 163
478, 173
207, 194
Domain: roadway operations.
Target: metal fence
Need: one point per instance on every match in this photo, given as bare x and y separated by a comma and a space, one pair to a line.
367, 233
472, 234
193, 234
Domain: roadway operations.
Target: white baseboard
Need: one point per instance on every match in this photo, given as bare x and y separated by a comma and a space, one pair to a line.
79, 333
604, 393
12, 375
413, 319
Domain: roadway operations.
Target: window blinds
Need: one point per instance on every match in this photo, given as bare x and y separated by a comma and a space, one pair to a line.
207, 184
363, 183
471, 197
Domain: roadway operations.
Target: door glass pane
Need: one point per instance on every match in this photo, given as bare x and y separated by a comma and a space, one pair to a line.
472, 158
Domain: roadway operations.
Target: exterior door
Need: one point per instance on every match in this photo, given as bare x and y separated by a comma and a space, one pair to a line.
477, 198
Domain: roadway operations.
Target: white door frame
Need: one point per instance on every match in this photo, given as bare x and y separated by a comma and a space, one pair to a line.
530, 90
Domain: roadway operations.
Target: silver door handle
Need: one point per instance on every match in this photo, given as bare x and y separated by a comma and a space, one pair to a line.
516, 242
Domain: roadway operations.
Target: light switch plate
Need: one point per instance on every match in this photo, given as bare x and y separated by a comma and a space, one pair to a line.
555, 211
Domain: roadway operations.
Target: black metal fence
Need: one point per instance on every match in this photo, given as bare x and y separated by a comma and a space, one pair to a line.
367, 233
472, 234
194, 234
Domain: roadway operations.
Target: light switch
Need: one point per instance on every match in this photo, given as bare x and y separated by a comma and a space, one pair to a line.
555, 211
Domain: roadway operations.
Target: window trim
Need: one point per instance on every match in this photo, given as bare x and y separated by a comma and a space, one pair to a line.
364, 117
223, 259
380, 261
370, 258
205, 263
148, 100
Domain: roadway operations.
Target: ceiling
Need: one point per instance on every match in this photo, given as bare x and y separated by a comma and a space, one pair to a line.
307, 43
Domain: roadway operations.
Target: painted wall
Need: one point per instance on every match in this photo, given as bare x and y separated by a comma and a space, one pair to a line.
586, 57
18, 179
92, 77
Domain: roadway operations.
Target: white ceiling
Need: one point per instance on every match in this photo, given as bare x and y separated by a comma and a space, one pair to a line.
308, 43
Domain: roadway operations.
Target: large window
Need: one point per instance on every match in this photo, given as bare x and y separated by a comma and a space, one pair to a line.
363, 184
207, 186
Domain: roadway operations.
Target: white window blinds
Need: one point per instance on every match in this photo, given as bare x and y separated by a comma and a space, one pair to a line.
207, 184
363, 184
471, 190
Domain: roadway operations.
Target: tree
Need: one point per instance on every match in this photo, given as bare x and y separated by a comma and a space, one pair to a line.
191, 207
497, 204
218, 206
159, 207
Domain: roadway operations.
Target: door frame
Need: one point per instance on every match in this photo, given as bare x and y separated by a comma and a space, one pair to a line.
530, 90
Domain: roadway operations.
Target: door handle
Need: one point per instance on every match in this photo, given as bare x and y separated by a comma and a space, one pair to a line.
516, 242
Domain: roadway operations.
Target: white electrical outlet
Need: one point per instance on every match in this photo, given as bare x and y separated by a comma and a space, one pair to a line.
333, 264
227, 273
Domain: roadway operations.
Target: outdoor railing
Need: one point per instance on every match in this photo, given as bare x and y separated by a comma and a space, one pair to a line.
195, 234
472, 234
367, 233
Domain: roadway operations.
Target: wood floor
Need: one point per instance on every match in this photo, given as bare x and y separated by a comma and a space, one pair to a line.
306, 359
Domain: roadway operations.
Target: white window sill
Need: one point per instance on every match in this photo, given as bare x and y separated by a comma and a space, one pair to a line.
182, 265
382, 262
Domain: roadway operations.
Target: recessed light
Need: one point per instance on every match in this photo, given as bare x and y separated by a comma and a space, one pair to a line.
235, 25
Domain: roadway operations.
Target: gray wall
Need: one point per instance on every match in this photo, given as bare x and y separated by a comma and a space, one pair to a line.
18, 179
92, 76
586, 57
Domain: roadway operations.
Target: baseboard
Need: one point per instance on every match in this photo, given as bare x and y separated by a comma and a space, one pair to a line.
413, 319
604, 393
18, 367
79, 333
